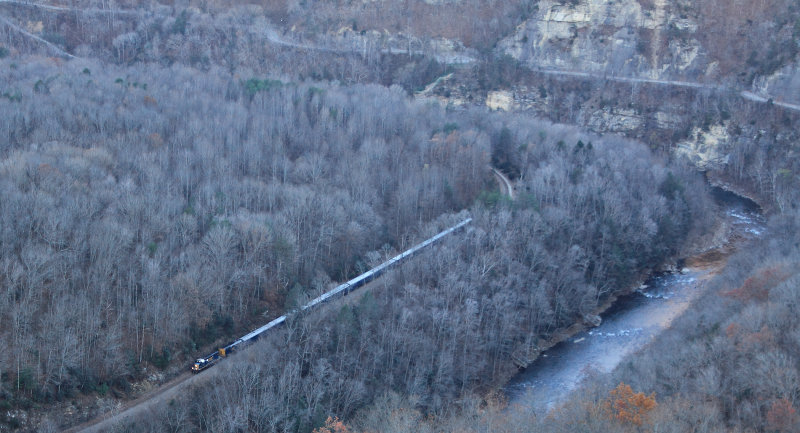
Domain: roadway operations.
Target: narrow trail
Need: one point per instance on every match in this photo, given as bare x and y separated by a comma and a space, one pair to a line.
54, 8
505, 185
50, 45
427, 90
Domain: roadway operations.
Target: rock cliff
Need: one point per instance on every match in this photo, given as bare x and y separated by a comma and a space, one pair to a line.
619, 37
754, 45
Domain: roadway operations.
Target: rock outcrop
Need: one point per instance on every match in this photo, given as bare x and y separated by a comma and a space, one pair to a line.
615, 37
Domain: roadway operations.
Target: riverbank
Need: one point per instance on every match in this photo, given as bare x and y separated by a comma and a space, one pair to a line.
579, 349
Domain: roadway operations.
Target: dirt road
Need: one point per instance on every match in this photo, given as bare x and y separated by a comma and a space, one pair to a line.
745, 94
145, 403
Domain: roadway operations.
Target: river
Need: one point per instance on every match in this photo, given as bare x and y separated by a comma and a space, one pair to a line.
634, 320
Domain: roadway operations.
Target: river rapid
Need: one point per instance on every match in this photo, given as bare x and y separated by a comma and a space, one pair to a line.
634, 320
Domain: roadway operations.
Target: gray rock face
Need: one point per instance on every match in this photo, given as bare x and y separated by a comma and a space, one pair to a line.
619, 37
592, 320
785, 83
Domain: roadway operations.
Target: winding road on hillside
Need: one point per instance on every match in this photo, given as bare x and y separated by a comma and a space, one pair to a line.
75, 10
272, 35
746, 94
48, 44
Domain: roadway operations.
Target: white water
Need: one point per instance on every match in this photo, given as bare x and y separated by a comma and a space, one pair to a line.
627, 327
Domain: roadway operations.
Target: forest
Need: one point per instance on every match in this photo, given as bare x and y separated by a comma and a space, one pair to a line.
152, 214
443, 326
174, 175
144, 218
729, 365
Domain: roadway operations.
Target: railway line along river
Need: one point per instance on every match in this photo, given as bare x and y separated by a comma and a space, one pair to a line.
634, 320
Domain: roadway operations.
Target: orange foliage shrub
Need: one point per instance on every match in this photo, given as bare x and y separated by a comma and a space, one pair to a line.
155, 139
627, 407
332, 425
760, 339
782, 416
732, 330
757, 287
750, 341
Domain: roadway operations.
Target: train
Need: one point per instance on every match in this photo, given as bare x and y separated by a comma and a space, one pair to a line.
202, 363
343, 289
205, 362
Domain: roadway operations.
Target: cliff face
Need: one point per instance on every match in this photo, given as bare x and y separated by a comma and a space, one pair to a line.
784, 84
754, 45
707, 149
747, 144
619, 37
715, 81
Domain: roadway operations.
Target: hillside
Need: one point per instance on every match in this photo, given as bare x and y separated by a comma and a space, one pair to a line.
177, 173
752, 44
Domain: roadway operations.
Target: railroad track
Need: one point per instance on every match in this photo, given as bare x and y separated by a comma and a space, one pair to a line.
505, 184
171, 389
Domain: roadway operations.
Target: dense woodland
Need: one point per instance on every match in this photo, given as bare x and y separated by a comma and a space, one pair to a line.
444, 325
737, 350
179, 173
143, 215
729, 364
146, 217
